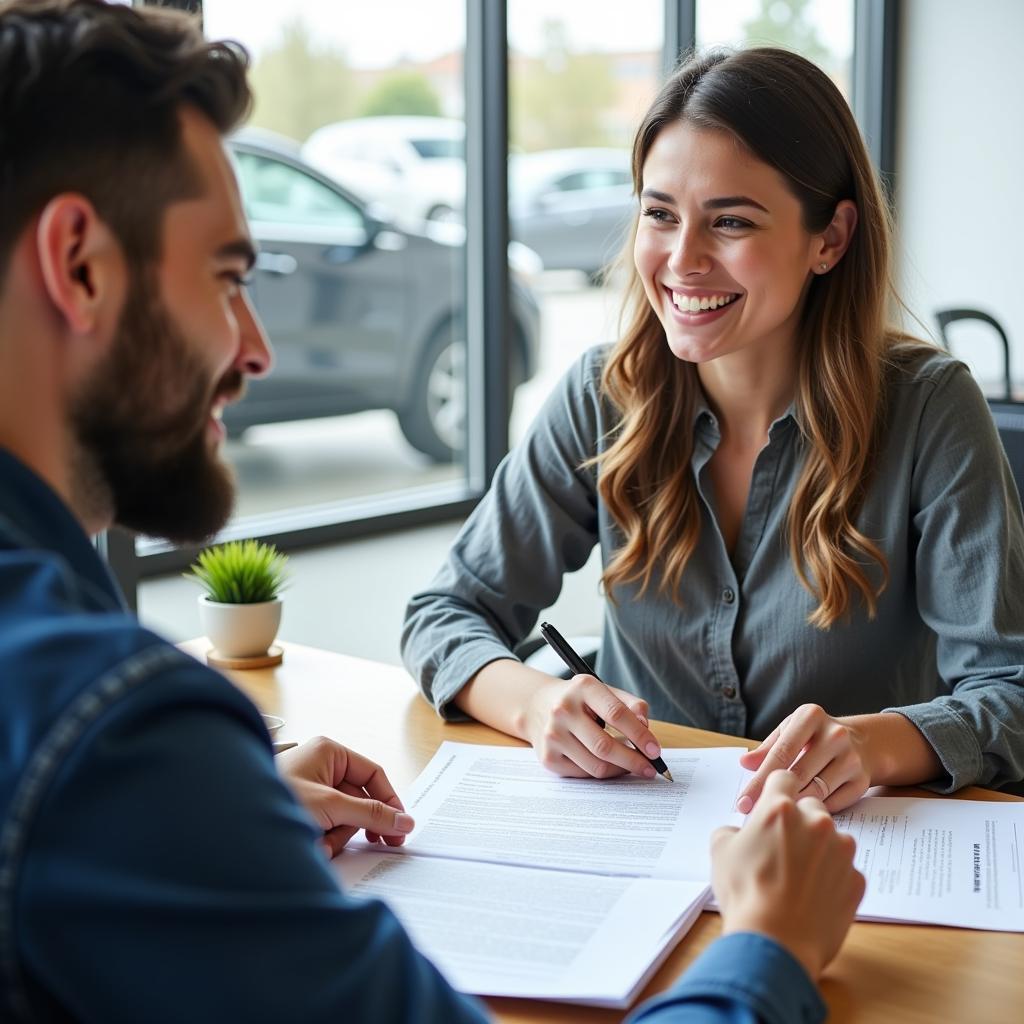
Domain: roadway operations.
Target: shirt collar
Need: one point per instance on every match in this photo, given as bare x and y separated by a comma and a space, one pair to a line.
705, 422
784, 422
33, 516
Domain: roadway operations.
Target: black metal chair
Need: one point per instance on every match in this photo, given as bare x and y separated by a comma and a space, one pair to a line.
1007, 413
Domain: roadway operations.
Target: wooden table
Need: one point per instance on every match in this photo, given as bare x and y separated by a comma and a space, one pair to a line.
884, 974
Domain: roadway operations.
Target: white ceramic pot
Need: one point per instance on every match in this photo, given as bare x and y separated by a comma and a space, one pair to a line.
240, 630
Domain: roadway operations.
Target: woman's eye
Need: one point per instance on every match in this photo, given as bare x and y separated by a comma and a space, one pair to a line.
656, 214
732, 223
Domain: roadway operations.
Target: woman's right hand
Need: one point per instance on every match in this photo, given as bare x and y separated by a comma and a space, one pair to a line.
561, 722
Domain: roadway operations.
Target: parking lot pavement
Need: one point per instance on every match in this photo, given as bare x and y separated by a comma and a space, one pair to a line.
309, 462
292, 465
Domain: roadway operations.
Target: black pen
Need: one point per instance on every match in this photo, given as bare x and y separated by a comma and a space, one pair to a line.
577, 665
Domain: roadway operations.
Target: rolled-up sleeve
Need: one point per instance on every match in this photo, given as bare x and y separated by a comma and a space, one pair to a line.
538, 521
969, 565
741, 979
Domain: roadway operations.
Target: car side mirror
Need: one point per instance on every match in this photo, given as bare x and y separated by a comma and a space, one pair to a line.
372, 228
378, 217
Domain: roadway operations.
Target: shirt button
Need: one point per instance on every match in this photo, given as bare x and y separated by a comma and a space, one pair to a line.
728, 596
729, 692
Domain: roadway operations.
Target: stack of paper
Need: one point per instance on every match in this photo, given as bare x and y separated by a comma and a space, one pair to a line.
519, 883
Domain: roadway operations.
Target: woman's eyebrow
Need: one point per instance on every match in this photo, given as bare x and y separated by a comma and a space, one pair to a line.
724, 202
719, 203
653, 193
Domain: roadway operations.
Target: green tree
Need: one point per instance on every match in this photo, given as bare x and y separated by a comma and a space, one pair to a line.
299, 87
401, 92
786, 23
559, 101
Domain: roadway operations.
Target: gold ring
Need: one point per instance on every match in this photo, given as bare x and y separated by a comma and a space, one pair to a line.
823, 789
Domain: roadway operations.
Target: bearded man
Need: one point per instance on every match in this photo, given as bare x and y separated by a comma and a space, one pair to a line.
154, 866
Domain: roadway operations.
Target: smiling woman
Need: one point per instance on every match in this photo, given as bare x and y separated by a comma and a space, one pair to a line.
695, 247
785, 487
725, 205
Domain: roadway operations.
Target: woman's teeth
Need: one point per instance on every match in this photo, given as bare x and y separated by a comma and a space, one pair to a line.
691, 304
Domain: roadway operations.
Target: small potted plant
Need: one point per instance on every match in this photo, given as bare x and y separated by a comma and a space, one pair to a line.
240, 609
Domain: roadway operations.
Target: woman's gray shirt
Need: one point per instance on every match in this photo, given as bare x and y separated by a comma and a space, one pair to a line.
946, 648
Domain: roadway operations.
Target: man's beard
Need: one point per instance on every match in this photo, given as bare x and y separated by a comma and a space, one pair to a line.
140, 424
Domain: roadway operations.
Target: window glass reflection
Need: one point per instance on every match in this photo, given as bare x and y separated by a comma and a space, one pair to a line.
578, 86
274, 191
352, 174
820, 30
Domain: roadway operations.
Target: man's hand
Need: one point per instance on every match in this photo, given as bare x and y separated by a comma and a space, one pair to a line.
561, 724
345, 792
788, 875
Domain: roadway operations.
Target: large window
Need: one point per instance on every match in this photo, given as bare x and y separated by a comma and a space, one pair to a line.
578, 86
353, 177
374, 178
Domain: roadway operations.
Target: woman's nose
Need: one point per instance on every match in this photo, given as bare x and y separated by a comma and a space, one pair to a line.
689, 254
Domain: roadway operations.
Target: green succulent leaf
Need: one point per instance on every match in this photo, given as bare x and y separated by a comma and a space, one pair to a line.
240, 572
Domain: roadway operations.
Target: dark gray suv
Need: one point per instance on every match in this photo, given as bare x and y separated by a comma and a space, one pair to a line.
362, 315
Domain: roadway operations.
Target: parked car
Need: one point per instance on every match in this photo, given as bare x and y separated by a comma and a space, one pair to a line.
572, 206
413, 165
362, 315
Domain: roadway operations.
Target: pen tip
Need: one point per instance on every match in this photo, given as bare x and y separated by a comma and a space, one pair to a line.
668, 775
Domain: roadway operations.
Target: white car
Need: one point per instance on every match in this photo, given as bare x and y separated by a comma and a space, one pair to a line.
412, 166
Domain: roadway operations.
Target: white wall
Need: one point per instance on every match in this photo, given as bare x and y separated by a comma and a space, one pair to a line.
960, 167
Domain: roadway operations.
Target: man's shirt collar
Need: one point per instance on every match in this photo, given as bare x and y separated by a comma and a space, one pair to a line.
32, 516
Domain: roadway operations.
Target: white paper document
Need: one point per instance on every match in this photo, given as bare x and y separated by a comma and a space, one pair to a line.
517, 882
500, 804
951, 862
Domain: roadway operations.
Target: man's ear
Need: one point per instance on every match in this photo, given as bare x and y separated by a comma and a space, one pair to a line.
81, 263
833, 242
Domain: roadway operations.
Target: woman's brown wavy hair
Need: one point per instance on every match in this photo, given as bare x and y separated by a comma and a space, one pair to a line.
790, 115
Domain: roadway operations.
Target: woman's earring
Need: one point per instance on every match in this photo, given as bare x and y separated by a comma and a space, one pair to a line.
823, 266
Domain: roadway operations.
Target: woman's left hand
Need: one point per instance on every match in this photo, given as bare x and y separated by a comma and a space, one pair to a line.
827, 755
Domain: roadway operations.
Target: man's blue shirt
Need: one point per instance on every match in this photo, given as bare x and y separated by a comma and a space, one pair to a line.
153, 866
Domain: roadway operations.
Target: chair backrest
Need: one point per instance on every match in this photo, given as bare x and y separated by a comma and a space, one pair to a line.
1009, 417
1008, 414
945, 317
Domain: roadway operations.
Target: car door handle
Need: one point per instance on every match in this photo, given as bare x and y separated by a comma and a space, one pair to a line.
280, 263
339, 254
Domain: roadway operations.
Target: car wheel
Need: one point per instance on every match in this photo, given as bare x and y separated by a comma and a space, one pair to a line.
434, 421
443, 213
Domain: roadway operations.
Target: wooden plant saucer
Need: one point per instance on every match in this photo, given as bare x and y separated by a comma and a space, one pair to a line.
273, 656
